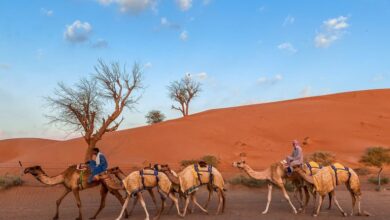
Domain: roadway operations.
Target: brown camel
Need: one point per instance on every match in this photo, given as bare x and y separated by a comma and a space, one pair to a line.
275, 174
190, 181
138, 181
71, 180
327, 178
174, 178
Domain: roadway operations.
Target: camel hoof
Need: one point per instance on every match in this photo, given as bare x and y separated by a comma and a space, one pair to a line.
315, 215
92, 218
55, 217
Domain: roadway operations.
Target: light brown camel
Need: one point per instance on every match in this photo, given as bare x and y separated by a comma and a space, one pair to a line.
325, 181
310, 168
71, 180
190, 181
275, 174
121, 176
138, 181
174, 178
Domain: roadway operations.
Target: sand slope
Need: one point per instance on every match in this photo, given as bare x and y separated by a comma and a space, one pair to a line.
345, 124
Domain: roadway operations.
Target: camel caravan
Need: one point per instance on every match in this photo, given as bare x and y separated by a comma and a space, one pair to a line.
310, 179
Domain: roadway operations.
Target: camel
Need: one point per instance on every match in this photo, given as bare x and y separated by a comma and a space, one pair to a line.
121, 176
275, 174
73, 181
138, 181
310, 168
174, 178
190, 180
327, 178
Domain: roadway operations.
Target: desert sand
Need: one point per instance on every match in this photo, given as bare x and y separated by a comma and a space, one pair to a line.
344, 124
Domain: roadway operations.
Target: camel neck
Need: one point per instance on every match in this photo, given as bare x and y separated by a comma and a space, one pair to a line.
306, 177
259, 175
45, 179
174, 179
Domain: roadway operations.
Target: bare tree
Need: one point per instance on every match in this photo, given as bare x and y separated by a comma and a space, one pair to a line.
93, 105
154, 116
183, 92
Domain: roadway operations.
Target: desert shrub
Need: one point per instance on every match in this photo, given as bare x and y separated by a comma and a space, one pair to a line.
289, 186
209, 159
247, 181
185, 163
376, 157
374, 180
154, 116
362, 171
8, 181
322, 157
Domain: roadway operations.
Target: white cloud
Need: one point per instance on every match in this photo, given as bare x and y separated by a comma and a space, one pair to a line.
288, 20
270, 80
131, 6
166, 23
337, 23
78, 31
199, 76
148, 65
47, 12
306, 92
100, 43
333, 29
184, 36
184, 5
286, 46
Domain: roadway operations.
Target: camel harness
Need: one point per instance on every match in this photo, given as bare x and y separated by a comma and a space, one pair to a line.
198, 173
335, 169
311, 168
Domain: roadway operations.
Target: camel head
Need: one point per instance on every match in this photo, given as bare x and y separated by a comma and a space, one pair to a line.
163, 168
239, 164
115, 170
34, 170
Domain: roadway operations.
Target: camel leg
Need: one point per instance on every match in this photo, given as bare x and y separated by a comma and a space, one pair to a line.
162, 207
209, 188
124, 206
186, 205
153, 198
221, 203
337, 204
121, 200
288, 199
307, 198
318, 208
103, 195
353, 203
76, 194
269, 198
176, 202
58, 202
330, 201
133, 205
142, 201
193, 198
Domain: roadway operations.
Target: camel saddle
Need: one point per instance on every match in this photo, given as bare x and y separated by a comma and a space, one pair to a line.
198, 169
313, 165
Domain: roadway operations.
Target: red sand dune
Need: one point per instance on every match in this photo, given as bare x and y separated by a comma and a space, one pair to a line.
344, 124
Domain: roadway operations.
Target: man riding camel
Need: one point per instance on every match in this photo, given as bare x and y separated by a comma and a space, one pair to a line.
296, 157
98, 164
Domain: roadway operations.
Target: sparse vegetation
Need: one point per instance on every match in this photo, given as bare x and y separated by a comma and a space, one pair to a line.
154, 116
209, 159
362, 171
376, 157
8, 181
289, 186
321, 157
247, 181
374, 180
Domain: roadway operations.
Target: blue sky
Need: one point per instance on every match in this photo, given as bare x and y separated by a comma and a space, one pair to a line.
242, 52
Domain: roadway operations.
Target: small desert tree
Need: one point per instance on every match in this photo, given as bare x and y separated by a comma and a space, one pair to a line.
183, 92
93, 105
376, 157
154, 116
